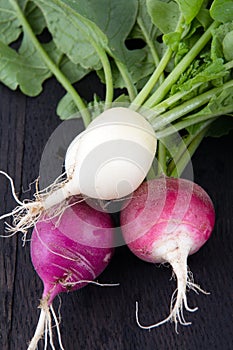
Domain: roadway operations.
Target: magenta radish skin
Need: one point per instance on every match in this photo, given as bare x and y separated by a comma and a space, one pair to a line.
63, 263
154, 206
60, 261
166, 220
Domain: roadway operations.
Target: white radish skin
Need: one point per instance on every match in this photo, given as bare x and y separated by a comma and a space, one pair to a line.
105, 133
107, 161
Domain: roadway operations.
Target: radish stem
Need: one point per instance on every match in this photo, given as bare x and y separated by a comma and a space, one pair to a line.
131, 88
162, 163
151, 45
144, 93
108, 75
171, 79
188, 106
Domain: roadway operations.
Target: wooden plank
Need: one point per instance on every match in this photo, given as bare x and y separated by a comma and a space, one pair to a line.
104, 318
12, 121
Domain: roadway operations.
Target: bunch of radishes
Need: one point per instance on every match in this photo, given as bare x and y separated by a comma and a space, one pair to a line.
162, 220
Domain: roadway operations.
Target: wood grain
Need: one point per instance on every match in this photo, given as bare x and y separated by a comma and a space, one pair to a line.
104, 318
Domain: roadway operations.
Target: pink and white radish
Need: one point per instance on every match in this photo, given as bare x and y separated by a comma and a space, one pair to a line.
166, 220
67, 255
99, 163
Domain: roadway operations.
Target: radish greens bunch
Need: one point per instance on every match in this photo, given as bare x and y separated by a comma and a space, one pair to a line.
166, 66
179, 68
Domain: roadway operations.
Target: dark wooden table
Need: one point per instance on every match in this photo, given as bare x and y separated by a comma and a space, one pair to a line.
104, 318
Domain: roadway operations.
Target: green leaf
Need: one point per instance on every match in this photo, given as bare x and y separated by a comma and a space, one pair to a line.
189, 9
10, 28
96, 107
66, 108
114, 18
8, 66
35, 18
72, 33
222, 10
227, 45
200, 73
144, 29
143, 15
144, 25
164, 15
221, 41
143, 69
122, 99
140, 65
25, 67
73, 72
203, 17
172, 40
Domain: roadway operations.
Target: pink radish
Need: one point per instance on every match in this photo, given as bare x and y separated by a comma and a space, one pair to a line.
166, 220
67, 253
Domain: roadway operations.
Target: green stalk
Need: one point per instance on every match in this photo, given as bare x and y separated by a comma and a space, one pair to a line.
229, 65
52, 66
151, 45
186, 151
131, 88
188, 106
181, 110
151, 173
171, 79
168, 102
161, 155
108, 75
188, 122
144, 93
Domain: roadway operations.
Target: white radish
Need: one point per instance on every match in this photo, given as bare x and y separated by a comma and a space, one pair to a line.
109, 160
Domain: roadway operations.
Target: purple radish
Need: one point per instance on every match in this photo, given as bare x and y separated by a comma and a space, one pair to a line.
67, 253
166, 220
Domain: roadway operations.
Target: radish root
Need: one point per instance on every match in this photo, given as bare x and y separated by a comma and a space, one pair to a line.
44, 327
72, 284
29, 212
12, 187
179, 303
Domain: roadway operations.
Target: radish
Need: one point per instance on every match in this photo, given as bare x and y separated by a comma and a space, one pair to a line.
166, 220
63, 262
99, 163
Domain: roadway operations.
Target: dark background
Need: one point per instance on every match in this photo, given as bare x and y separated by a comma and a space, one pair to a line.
104, 318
